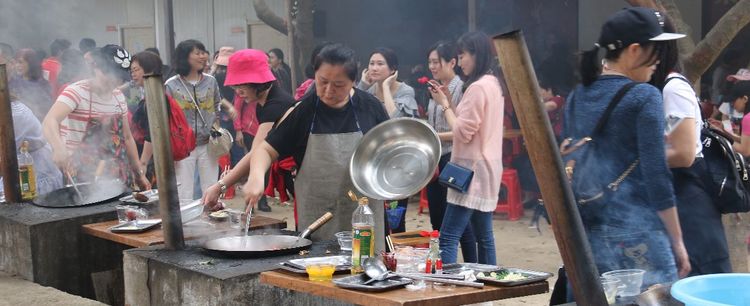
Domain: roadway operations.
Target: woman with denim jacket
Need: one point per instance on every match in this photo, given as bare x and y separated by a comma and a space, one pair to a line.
638, 227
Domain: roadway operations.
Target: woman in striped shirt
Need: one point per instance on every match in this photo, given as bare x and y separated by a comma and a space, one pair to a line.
88, 123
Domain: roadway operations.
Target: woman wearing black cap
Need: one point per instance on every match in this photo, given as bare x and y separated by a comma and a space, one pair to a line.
636, 227
88, 123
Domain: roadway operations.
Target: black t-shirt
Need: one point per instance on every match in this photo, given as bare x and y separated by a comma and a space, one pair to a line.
277, 103
289, 138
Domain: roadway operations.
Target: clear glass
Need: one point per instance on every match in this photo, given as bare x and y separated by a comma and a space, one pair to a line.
345, 240
235, 218
630, 279
610, 286
126, 213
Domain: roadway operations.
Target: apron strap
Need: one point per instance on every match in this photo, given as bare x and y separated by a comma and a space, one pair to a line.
315, 114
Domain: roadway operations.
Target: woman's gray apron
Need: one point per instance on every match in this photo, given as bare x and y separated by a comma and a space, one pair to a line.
323, 182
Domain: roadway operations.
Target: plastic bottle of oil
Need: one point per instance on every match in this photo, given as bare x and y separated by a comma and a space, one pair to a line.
26, 173
363, 232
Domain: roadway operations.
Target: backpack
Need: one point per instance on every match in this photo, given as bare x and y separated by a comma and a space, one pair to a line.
585, 165
728, 172
181, 135
728, 180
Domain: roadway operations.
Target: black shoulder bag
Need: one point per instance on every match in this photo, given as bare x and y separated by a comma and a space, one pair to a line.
583, 162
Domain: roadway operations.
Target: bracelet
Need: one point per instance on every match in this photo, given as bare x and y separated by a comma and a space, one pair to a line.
446, 108
222, 186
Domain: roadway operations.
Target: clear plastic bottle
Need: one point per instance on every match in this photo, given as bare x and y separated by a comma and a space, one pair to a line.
27, 177
363, 232
434, 263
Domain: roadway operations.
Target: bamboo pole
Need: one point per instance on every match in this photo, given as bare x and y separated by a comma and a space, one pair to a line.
547, 163
9, 161
169, 202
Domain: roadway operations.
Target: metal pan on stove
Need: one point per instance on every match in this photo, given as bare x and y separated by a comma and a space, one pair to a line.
91, 193
264, 245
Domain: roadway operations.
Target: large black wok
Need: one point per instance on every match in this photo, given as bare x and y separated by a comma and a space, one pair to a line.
91, 193
263, 245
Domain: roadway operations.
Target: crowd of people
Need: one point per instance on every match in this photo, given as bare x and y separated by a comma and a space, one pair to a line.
84, 108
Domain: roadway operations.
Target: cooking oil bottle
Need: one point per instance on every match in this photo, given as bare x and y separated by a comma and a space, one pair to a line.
26, 173
363, 232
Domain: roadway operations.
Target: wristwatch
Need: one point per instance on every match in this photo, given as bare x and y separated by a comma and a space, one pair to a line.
222, 186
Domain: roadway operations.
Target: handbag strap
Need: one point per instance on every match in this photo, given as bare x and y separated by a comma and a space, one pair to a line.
192, 98
607, 112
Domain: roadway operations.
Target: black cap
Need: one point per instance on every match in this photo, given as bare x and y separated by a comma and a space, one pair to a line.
739, 89
634, 25
114, 59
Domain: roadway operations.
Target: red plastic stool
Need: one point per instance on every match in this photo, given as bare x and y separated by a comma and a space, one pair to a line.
423, 201
511, 205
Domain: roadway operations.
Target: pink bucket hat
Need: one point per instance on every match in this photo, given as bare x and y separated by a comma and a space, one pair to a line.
248, 66
224, 54
742, 75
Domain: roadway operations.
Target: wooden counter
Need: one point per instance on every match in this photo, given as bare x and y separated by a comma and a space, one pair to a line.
428, 297
192, 230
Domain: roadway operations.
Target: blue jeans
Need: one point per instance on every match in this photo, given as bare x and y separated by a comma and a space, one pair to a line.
436, 198
455, 222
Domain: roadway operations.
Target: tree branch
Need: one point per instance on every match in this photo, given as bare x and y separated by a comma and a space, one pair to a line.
686, 45
265, 14
717, 39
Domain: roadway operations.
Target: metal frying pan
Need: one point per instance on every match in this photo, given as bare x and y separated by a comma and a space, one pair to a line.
264, 245
92, 193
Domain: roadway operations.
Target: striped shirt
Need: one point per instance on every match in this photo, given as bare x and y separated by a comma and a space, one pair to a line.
86, 105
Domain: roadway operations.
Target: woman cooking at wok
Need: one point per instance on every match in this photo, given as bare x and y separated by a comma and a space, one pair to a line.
88, 123
321, 133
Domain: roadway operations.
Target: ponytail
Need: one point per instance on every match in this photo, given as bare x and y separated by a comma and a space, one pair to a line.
589, 68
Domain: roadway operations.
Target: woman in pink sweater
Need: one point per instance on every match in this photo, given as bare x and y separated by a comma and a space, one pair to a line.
477, 124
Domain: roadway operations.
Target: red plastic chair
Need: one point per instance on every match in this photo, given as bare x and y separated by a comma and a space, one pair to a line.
511, 205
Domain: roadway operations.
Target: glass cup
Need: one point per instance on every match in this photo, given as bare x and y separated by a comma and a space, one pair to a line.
345, 240
389, 258
235, 219
630, 280
127, 213
610, 286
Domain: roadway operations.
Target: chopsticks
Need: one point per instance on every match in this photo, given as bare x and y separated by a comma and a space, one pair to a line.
75, 187
390, 243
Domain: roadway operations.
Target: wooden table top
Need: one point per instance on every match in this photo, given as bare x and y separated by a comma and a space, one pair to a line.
428, 297
191, 230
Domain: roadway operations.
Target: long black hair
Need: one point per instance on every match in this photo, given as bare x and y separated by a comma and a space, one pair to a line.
182, 53
389, 55
669, 60
477, 44
446, 51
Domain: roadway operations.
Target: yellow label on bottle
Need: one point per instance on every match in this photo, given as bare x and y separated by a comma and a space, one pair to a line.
27, 181
362, 246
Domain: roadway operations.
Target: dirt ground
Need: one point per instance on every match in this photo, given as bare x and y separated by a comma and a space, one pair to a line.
15, 291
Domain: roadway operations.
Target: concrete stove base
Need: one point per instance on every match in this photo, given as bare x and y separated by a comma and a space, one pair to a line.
46, 245
154, 276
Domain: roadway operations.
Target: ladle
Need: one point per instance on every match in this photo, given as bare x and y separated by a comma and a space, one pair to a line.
377, 271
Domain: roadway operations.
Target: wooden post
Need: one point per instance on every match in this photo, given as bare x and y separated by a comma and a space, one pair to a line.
547, 163
169, 201
8, 159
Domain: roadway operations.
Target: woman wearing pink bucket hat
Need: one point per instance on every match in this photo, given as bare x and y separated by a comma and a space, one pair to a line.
253, 82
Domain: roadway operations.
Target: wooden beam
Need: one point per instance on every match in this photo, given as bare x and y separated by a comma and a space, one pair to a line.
8, 159
169, 201
545, 158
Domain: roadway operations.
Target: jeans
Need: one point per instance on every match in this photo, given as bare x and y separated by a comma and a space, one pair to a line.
616, 248
456, 220
208, 168
436, 199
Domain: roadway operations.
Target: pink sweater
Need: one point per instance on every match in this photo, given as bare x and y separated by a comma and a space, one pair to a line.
478, 143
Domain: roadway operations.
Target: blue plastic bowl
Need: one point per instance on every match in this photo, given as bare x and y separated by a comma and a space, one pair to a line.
713, 290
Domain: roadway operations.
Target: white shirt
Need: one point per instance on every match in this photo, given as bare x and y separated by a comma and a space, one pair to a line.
681, 102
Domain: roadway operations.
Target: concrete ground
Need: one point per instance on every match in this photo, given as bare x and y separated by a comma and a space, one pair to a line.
18, 292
